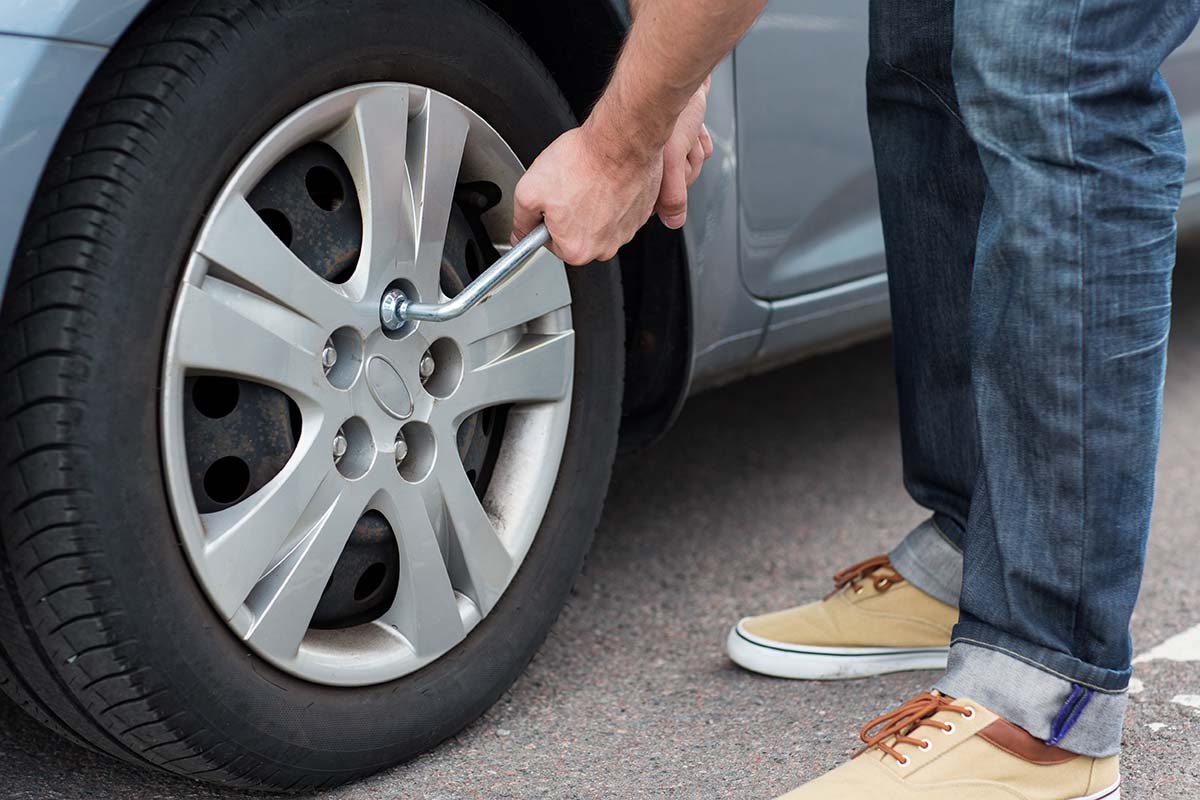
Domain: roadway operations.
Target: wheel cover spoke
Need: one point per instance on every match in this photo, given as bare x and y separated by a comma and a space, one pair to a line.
476, 548
243, 250
533, 371
443, 129
406, 166
222, 329
285, 598
425, 610
373, 142
245, 539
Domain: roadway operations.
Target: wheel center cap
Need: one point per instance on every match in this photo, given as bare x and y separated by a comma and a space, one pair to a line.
388, 388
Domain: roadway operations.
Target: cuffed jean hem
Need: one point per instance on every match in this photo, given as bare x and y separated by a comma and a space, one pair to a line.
1051, 707
1058, 664
928, 560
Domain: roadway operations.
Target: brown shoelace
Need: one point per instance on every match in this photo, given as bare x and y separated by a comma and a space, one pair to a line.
852, 576
906, 719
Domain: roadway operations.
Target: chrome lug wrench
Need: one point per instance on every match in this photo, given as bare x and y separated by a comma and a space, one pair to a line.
397, 309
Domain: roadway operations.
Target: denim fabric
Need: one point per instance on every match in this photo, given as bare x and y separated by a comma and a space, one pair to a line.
1030, 162
928, 559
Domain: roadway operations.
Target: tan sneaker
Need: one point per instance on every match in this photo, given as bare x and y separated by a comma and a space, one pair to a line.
935, 748
871, 623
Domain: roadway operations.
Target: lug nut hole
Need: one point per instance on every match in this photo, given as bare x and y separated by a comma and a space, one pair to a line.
444, 363
215, 397
278, 223
325, 188
370, 581
422, 452
347, 357
358, 453
227, 479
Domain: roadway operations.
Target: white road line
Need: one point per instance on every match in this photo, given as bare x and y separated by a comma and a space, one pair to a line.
1182, 647
1189, 700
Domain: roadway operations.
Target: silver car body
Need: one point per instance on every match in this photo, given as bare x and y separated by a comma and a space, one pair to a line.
784, 242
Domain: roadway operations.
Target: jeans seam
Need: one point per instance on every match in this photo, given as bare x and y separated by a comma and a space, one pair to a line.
936, 94
1080, 256
1034, 663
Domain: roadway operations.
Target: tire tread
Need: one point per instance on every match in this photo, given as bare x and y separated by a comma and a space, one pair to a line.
59, 660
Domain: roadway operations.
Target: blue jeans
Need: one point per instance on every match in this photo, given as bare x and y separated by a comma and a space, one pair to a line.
1030, 161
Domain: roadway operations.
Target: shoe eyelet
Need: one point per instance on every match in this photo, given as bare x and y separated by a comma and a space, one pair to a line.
948, 731
926, 744
970, 712
904, 763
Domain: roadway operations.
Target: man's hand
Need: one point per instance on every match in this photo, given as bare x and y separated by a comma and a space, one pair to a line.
597, 185
592, 196
594, 203
688, 148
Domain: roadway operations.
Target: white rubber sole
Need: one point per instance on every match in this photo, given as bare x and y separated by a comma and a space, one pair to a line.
1111, 793
804, 662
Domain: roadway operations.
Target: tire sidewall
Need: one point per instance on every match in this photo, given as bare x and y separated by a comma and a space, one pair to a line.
269, 67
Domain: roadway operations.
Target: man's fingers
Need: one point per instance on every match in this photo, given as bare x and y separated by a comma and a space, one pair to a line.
706, 142
575, 256
695, 161
527, 210
674, 221
558, 254
673, 210
672, 199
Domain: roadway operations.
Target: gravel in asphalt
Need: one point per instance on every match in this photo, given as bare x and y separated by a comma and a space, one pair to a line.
758, 495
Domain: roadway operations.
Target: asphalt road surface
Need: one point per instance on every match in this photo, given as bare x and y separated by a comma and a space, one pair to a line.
761, 492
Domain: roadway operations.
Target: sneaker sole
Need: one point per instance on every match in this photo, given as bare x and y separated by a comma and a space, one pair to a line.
805, 662
1111, 793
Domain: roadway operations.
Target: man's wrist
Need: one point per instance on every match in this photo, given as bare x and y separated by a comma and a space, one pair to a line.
621, 139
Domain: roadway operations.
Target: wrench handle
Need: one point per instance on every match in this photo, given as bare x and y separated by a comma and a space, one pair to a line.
481, 288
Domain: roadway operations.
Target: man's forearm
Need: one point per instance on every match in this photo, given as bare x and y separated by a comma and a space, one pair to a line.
672, 47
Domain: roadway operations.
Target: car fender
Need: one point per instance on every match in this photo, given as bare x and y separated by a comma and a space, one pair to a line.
50, 50
83, 21
48, 75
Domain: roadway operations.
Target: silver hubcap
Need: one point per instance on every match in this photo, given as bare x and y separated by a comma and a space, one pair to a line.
379, 411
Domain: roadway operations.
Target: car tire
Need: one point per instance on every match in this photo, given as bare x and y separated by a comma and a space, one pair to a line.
107, 636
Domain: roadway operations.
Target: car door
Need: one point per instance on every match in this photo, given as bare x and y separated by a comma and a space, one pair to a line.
1182, 71
809, 207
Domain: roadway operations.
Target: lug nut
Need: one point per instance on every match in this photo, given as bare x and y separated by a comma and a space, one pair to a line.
340, 445
401, 449
428, 365
389, 310
328, 356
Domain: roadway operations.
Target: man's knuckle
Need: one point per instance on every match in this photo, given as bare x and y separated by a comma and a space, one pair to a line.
525, 195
